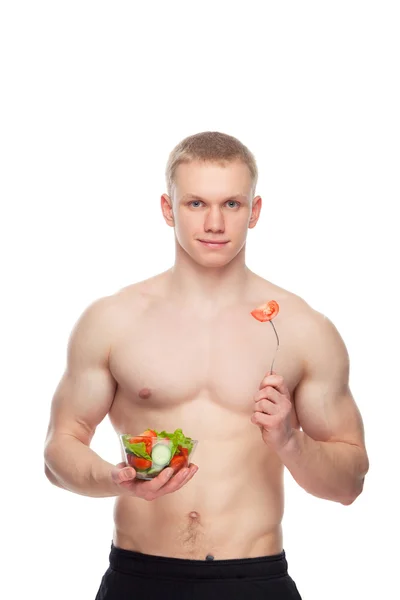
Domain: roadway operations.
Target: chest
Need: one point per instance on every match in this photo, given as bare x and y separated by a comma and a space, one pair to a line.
169, 359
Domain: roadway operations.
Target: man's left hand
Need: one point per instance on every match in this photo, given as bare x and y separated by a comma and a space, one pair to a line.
272, 411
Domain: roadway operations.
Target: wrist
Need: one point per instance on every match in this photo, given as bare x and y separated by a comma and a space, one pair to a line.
103, 481
292, 445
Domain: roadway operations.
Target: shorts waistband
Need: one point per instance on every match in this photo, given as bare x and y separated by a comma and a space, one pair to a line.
163, 567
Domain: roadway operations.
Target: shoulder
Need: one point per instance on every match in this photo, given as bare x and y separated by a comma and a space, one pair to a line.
293, 309
319, 342
142, 294
107, 315
305, 319
313, 333
130, 303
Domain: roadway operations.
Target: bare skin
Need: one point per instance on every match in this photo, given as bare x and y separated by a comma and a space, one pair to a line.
202, 373
180, 350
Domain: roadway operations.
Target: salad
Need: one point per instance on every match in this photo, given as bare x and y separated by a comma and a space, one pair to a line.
152, 451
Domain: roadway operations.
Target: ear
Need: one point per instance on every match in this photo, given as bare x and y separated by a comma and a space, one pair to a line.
255, 212
166, 207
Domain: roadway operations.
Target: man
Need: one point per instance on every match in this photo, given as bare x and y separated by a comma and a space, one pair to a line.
181, 350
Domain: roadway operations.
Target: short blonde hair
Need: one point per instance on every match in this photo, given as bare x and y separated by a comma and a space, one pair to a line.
209, 146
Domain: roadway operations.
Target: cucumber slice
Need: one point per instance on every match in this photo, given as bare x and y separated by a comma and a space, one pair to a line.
154, 471
160, 455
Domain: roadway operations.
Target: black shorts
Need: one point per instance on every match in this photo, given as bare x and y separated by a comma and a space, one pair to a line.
136, 576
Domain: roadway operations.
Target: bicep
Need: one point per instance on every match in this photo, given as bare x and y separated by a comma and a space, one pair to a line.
86, 391
323, 401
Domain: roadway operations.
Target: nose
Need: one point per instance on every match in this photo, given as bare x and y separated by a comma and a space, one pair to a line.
214, 220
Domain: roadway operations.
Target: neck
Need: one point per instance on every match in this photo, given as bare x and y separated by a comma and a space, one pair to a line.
208, 286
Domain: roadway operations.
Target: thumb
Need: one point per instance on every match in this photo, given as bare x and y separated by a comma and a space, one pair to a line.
119, 475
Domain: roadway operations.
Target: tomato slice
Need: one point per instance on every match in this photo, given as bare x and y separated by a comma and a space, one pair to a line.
149, 433
136, 440
181, 451
178, 462
142, 439
266, 312
138, 463
184, 452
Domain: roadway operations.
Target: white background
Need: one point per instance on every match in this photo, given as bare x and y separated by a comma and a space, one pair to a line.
94, 97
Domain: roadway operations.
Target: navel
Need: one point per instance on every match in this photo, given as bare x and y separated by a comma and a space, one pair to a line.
194, 515
145, 393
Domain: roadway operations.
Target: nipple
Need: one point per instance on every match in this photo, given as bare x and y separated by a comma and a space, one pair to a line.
145, 393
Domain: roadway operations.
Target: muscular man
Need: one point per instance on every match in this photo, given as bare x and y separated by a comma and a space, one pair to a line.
181, 350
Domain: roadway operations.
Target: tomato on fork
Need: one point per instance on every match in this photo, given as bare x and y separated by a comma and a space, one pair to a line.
266, 312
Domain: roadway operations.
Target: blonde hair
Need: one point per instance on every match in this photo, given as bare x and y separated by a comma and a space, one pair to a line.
209, 146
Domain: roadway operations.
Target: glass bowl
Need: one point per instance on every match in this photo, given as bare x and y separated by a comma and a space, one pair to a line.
149, 455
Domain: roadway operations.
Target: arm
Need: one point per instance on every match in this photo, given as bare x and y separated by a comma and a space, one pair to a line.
81, 401
328, 457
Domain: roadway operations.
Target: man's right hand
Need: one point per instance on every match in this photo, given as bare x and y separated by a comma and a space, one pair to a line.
125, 477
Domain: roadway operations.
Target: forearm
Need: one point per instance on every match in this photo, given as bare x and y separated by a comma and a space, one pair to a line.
330, 470
72, 465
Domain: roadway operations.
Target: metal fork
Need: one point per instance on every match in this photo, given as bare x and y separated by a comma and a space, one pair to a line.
277, 347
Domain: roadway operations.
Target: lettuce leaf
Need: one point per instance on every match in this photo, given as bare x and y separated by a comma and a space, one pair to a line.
139, 449
178, 439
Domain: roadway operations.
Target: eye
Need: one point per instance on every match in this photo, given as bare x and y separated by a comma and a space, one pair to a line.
200, 202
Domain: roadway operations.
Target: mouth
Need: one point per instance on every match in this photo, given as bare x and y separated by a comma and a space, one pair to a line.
212, 244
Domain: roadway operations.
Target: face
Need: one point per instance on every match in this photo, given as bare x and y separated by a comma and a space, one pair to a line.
211, 203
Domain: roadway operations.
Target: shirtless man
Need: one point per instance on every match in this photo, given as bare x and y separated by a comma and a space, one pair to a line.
181, 350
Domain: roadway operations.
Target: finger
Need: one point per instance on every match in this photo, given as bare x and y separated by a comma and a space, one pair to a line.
268, 393
126, 474
192, 472
185, 475
160, 485
266, 378
179, 480
267, 421
142, 488
266, 406
158, 482
176, 480
277, 382
274, 379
